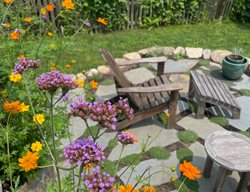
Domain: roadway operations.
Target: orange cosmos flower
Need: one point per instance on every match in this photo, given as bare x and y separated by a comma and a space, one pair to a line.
190, 171
21, 56
27, 20
12, 107
6, 25
68, 4
43, 11
148, 188
127, 188
15, 35
8, 1
28, 161
102, 21
50, 7
93, 84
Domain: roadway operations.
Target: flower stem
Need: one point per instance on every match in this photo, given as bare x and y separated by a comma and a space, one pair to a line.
8, 151
181, 184
117, 165
79, 179
93, 137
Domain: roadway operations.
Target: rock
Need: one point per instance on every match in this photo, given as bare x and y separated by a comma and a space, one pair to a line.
80, 75
168, 51
73, 77
180, 51
139, 75
91, 72
206, 54
132, 56
183, 79
146, 51
103, 69
218, 55
194, 53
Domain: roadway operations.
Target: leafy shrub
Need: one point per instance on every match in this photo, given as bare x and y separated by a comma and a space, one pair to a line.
241, 11
245, 92
159, 153
246, 133
184, 154
222, 121
187, 136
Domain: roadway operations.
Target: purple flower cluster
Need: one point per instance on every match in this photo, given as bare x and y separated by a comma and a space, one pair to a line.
24, 64
126, 138
84, 151
53, 80
98, 182
105, 114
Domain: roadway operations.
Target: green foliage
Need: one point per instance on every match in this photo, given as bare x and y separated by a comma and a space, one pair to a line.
187, 136
109, 167
107, 82
159, 153
204, 63
188, 185
245, 92
193, 107
155, 52
96, 77
162, 118
134, 159
246, 133
222, 121
94, 131
177, 57
241, 11
112, 143
184, 154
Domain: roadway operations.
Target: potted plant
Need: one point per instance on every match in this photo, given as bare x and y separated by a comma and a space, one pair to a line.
234, 65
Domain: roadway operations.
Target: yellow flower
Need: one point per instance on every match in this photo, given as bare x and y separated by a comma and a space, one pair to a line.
24, 107
37, 146
80, 82
27, 20
15, 35
6, 25
67, 66
102, 21
53, 67
21, 57
43, 11
16, 78
50, 7
52, 45
172, 179
49, 34
8, 1
73, 61
68, 4
93, 84
148, 188
167, 115
39, 118
28, 161
127, 188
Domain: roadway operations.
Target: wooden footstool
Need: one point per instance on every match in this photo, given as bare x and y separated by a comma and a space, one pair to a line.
206, 89
231, 151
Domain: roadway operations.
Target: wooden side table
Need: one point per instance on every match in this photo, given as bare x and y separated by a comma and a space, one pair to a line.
231, 151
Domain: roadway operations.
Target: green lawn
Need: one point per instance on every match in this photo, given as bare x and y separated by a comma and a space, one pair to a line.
84, 48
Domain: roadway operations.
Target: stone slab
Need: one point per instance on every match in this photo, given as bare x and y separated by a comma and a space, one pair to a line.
183, 79
203, 127
155, 166
183, 65
158, 135
243, 83
105, 92
139, 75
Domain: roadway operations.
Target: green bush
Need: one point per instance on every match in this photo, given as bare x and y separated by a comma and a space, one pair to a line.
241, 11
245, 92
159, 153
187, 136
246, 133
184, 154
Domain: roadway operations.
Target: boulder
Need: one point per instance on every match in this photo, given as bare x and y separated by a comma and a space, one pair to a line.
194, 53
206, 54
80, 75
218, 55
132, 56
180, 51
168, 51
103, 69
91, 72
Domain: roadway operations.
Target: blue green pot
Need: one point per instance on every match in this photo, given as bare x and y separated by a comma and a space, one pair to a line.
233, 69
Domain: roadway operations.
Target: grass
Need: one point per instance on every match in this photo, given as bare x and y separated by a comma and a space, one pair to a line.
112, 143
204, 63
184, 154
85, 48
133, 158
187, 136
245, 92
246, 133
222, 121
159, 153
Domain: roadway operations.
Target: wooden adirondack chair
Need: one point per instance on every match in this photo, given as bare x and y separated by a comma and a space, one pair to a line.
148, 98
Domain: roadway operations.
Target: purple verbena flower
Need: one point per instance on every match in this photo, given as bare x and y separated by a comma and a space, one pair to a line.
84, 151
123, 109
81, 108
24, 64
87, 23
125, 137
98, 182
53, 80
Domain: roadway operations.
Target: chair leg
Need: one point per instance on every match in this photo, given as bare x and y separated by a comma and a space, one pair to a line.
200, 110
172, 108
242, 186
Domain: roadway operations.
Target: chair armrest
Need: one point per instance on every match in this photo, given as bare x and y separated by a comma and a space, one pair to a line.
141, 61
159, 88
